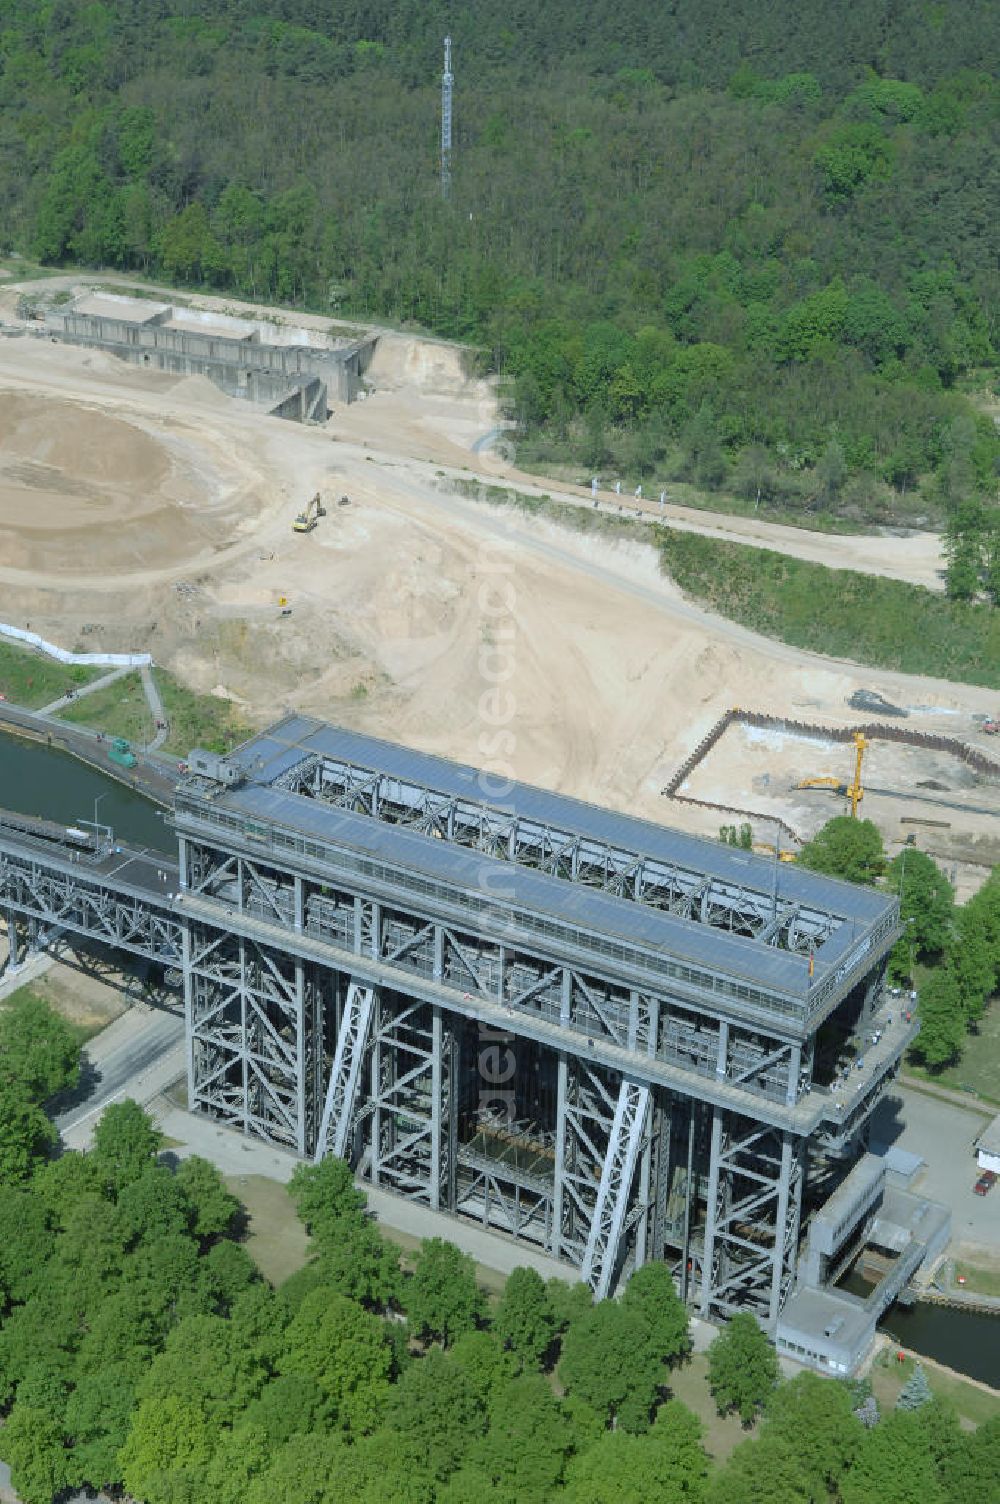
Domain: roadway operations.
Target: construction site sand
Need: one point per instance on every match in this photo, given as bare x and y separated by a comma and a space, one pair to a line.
485, 635
929, 795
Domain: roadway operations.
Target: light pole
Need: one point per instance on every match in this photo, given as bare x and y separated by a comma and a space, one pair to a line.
97, 838
909, 935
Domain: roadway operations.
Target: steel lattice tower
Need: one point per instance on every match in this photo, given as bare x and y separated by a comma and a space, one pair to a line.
447, 83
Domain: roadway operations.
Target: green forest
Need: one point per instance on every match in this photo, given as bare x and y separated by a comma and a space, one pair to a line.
750, 246
141, 1348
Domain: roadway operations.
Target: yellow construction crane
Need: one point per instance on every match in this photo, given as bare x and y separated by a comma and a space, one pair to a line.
852, 791
307, 520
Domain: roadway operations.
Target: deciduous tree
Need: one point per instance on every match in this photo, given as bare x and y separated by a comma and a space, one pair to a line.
524, 1319
609, 1360
442, 1298
742, 1368
125, 1144
846, 848
343, 1348
38, 1050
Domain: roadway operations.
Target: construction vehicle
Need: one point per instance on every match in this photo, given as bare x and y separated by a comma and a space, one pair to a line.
766, 849
851, 791
307, 520
121, 753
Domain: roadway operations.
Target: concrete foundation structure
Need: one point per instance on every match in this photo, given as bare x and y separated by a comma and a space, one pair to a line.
292, 373
609, 1040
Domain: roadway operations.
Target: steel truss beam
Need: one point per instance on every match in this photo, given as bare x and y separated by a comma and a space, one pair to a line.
603, 1211
408, 1123
752, 1218
523, 982
53, 899
614, 1195
497, 1200
530, 843
341, 1095
246, 1030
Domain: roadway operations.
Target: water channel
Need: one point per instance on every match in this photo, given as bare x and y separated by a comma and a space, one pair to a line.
39, 780
967, 1341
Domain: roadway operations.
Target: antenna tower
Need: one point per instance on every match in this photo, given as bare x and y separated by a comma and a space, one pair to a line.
447, 83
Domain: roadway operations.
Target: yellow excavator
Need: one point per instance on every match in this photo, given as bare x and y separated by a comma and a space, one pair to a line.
766, 849
852, 791
307, 520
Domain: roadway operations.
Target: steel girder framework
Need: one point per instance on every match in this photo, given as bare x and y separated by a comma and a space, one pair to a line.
252, 1041
614, 1194
524, 982
345, 1073
628, 1171
562, 853
604, 1172
48, 897
753, 1206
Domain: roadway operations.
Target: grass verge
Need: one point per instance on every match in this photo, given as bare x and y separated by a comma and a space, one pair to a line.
723, 504
838, 612
971, 1403
689, 1384
578, 516
978, 1281
119, 709
199, 720
978, 1068
276, 1239
30, 679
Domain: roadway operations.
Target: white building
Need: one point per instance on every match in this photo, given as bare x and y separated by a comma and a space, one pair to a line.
988, 1146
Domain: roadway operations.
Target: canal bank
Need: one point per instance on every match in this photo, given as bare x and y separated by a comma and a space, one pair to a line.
154, 776
55, 784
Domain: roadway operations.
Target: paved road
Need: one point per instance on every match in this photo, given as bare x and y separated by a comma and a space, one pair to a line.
943, 1135
137, 1056
138, 867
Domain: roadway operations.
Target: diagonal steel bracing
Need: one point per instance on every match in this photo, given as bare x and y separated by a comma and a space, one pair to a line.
341, 1094
600, 1259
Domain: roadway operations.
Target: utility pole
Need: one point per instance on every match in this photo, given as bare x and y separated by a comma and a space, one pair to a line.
447, 83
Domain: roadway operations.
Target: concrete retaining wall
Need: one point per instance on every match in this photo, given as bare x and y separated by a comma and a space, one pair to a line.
242, 359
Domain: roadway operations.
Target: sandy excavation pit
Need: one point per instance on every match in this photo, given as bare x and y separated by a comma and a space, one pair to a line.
83, 487
932, 795
164, 524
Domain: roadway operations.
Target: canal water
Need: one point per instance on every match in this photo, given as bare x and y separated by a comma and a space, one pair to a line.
967, 1341
39, 780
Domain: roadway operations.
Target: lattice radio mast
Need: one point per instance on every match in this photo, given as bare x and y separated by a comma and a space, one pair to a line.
447, 83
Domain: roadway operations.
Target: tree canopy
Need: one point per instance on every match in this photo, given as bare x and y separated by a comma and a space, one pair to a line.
847, 848
793, 320
742, 1368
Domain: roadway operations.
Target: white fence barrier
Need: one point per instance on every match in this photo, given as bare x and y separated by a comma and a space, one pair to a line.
105, 660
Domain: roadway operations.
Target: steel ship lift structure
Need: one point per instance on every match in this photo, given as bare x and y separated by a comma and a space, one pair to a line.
602, 1037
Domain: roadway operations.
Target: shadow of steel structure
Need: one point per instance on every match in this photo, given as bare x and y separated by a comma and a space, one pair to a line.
587, 1031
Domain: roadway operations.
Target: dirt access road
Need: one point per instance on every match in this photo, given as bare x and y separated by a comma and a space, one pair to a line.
142, 511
